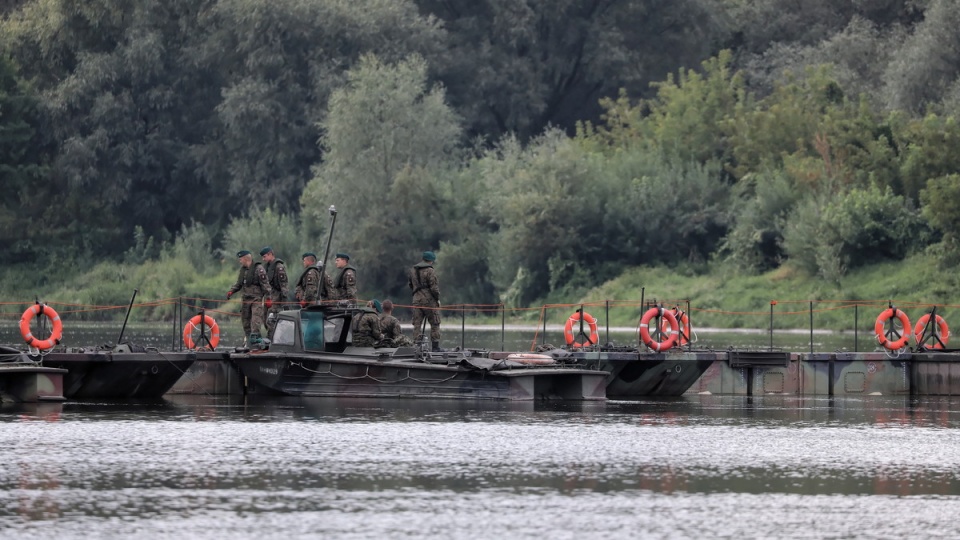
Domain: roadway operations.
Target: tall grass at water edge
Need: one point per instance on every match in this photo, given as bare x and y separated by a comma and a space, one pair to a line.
720, 297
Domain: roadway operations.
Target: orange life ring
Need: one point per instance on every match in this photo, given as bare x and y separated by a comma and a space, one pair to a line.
195, 323
941, 330
48, 312
648, 340
880, 329
684, 322
568, 330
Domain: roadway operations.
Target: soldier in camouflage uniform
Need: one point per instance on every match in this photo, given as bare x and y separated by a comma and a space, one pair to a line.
426, 299
366, 326
309, 284
254, 286
392, 333
344, 285
277, 274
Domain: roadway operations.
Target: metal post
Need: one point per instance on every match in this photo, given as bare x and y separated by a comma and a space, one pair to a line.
179, 332
543, 336
503, 325
607, 302
688, 329
333, 222
642, 300
463, 325
856, 326
811, 327
127, 317
772, 303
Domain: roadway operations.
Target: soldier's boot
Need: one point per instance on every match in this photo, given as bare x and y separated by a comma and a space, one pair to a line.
435, 346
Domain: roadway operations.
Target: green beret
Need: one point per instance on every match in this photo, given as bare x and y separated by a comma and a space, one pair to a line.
242, 253
265, 250
343, 256
308, 254
377, 306
429, 256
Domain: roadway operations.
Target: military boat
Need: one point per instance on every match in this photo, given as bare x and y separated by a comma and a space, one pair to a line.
312, 354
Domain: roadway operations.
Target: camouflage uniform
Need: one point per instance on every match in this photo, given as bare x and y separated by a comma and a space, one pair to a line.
254, 285
277, 275
366, 329
308, 286
426, 300
344, 286
392, 333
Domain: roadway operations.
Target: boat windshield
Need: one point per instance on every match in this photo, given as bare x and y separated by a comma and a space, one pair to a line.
285, 333
313, 330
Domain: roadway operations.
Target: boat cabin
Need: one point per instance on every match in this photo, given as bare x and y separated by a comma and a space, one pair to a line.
323, 328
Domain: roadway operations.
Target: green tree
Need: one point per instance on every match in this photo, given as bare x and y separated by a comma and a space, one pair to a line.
832, 234
923, 70
169, 112
764, 201
22, 169
941, 207
518, 67
388, 137
280, 62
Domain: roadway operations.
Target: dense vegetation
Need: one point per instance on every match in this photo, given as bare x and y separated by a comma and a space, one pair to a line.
542, 147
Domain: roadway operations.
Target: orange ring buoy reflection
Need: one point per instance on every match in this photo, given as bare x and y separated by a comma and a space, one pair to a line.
195, 323
55, 335
879, 329
594, 337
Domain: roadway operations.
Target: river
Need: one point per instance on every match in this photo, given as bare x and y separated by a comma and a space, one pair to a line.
693, 467
690, 467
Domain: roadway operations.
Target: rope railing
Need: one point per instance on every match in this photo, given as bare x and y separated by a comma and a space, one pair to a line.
544, 320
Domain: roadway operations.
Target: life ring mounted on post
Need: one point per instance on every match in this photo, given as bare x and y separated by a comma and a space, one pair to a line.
592, 339
55, 335
683, 321
645, 324
879, 328
194, 323
940, 333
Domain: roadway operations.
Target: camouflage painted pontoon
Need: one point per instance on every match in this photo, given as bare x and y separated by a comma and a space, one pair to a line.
124, 371
312, 355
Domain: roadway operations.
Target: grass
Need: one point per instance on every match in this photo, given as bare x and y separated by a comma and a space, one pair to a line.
721, 297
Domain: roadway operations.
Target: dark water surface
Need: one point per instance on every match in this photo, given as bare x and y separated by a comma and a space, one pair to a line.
693, 467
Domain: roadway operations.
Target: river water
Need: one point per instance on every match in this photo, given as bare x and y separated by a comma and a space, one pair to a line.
690, 467
693, 467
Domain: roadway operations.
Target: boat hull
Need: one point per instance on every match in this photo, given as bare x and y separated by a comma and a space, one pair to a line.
346, 376
107, 374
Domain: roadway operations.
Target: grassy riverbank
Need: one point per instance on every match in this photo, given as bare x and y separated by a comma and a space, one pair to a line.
726, 298
722, 297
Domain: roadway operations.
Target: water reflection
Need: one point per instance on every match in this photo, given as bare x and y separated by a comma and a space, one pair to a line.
201, 465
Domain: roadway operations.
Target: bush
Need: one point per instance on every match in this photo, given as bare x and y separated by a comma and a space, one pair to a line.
266, 228
829, 236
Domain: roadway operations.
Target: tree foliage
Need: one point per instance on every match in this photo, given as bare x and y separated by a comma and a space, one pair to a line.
540, 147
389, 138
518, 67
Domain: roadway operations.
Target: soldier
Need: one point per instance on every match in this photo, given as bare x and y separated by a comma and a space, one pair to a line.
426, 299
254, 285
309, 284
344, 285
277, 274
366, 326
392, 333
